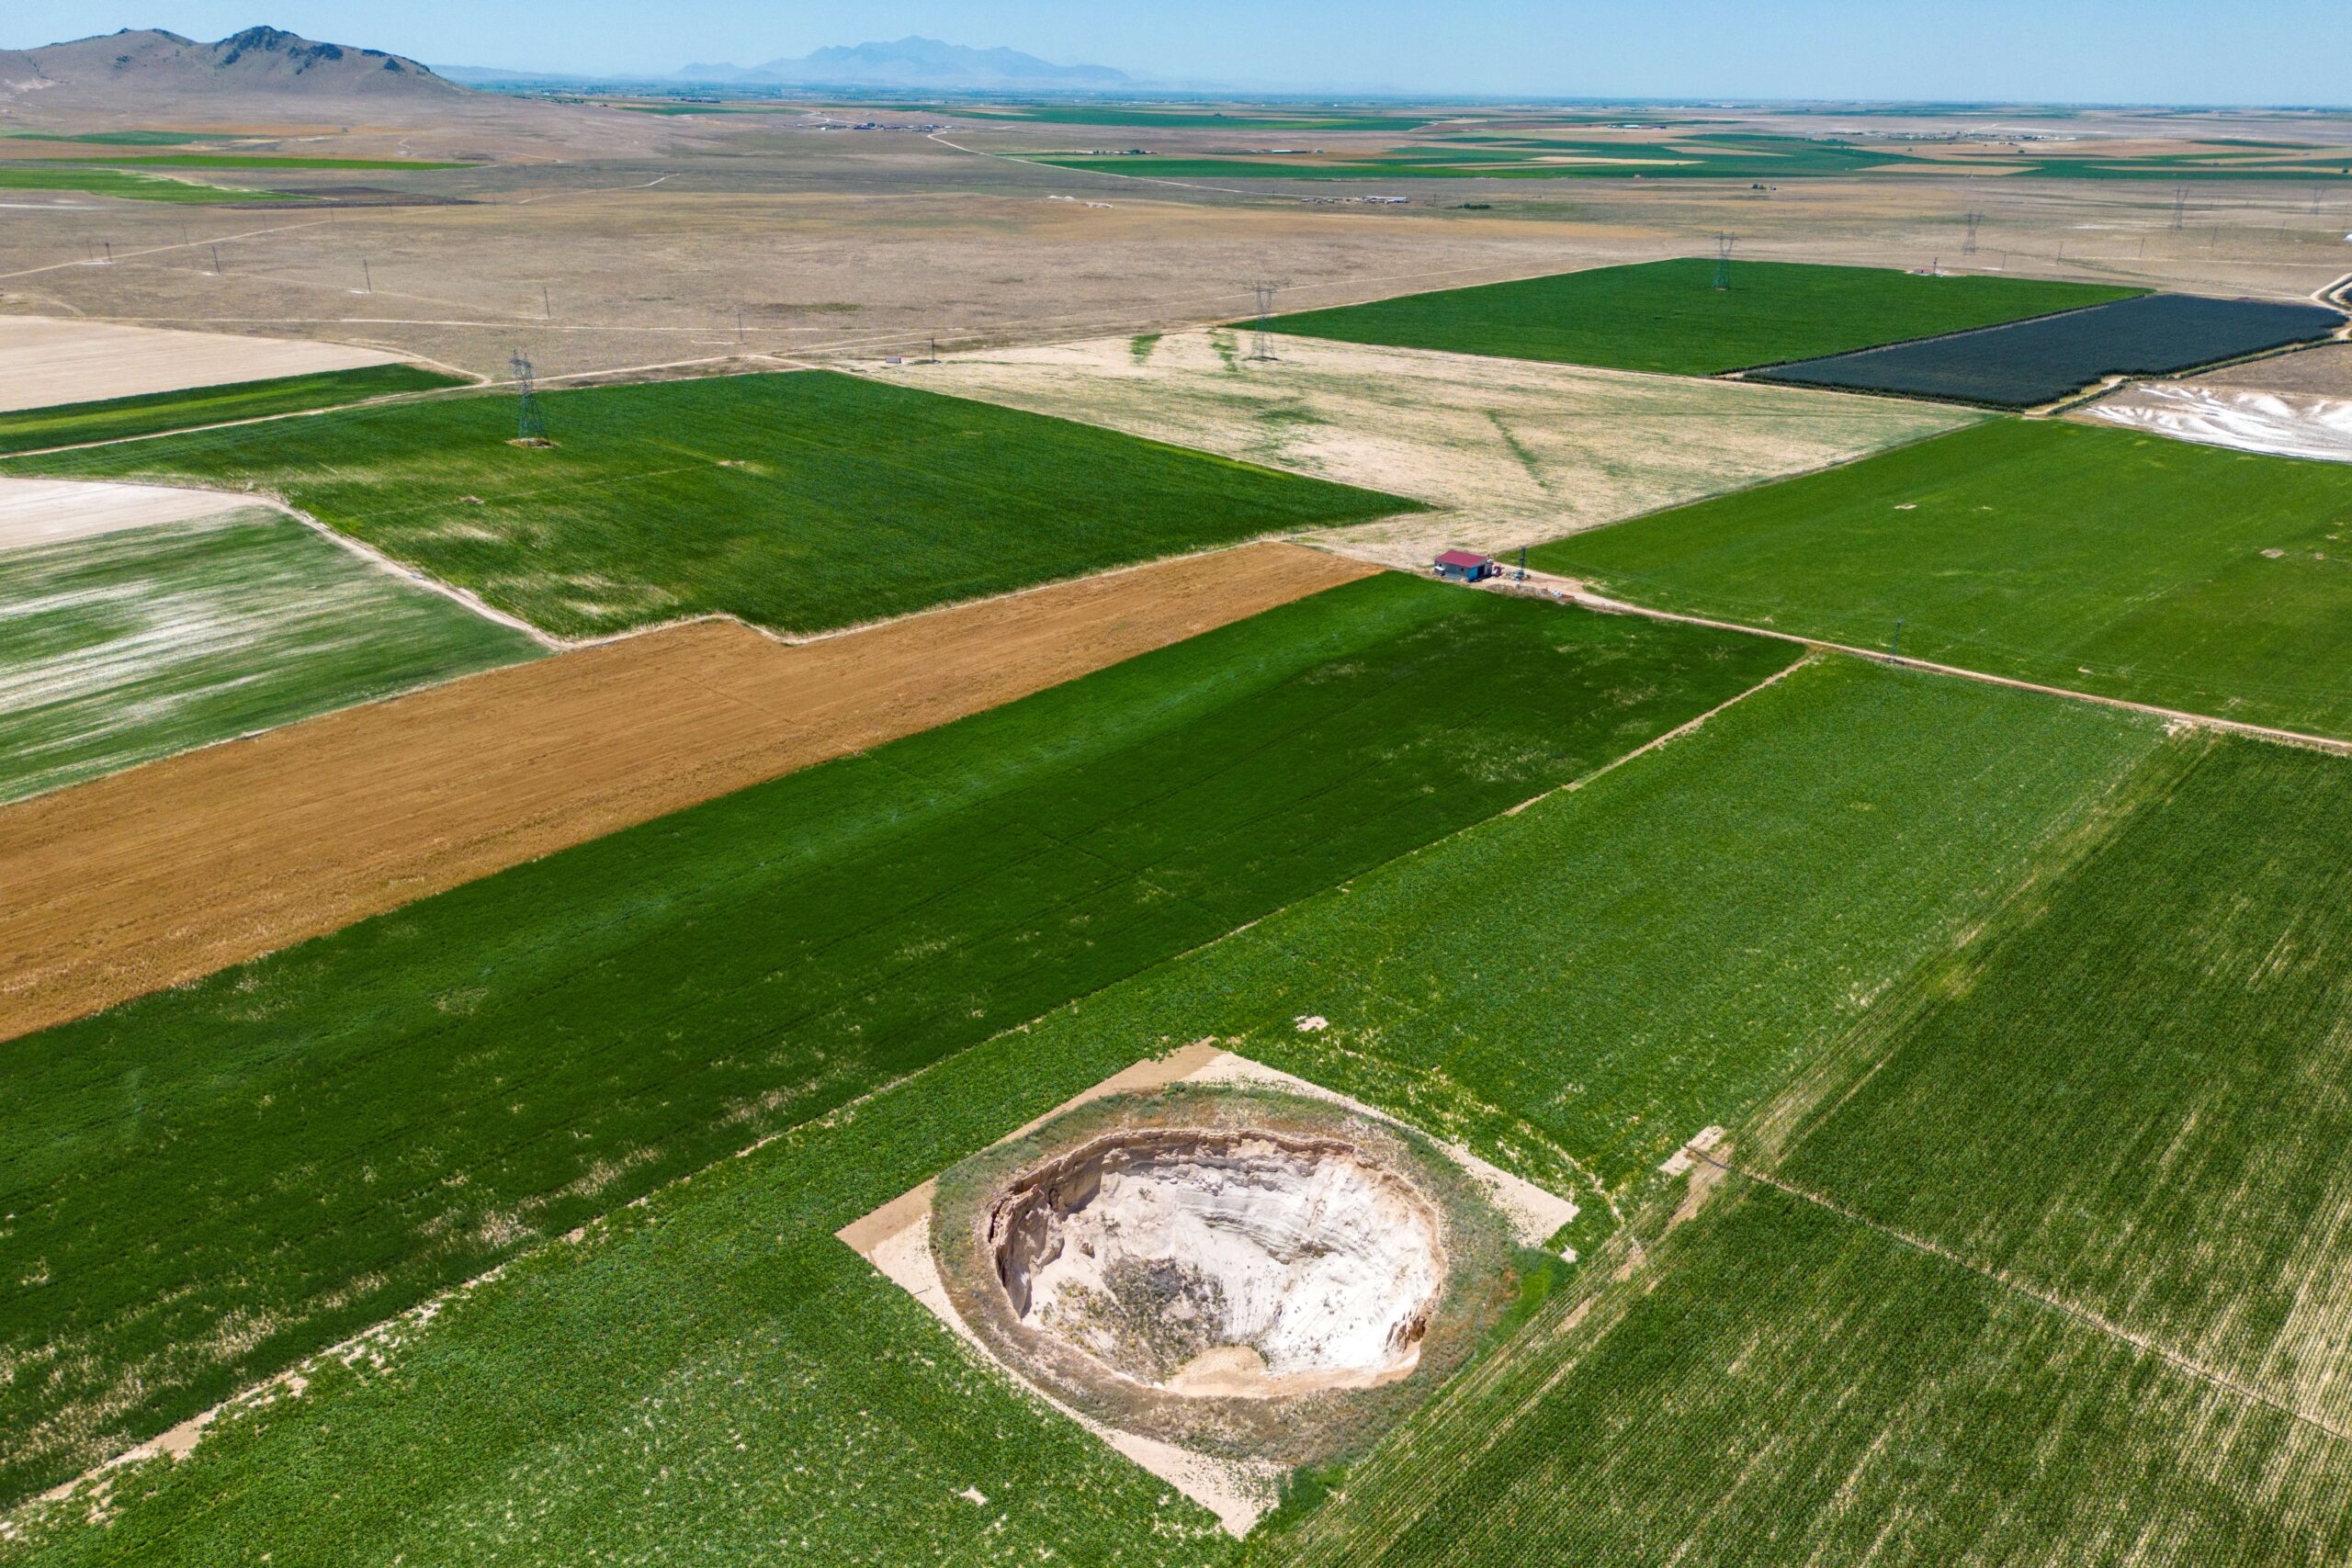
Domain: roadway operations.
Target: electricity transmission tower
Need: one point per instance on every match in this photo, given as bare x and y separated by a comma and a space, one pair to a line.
529, 425
1258, 348
1968, 247
1723, 260
2179, 205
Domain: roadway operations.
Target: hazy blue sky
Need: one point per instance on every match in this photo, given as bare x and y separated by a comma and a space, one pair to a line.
2142, 51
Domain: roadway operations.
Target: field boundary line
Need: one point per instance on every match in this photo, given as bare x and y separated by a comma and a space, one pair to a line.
2047, 1299
1573, 591
1809, 658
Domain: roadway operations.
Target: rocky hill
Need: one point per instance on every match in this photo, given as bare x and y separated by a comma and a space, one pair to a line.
149, 64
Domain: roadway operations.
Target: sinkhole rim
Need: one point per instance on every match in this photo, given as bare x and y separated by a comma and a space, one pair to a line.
1311, 1421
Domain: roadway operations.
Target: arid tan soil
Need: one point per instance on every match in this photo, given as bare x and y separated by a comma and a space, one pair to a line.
824, 246
50, 512
1513, 453
169, 872
49, 362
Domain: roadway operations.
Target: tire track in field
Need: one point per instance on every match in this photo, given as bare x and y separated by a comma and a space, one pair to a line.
2047, 1299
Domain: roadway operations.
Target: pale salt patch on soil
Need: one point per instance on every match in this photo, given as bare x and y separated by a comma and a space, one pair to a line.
2283, 425
45, 362
48, 512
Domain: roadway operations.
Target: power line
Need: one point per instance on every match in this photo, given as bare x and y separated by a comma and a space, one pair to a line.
530, 425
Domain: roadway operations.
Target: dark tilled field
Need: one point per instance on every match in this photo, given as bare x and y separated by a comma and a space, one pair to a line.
2025, 363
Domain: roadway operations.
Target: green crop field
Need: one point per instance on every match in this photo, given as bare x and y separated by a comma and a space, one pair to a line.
137, 644
113, 138
49, 175
2130, 1097
1668, 316
1779, 1384
307, 1144
115, 419
2095, 560
790, 1366
266, 161
1617, 969
799, 501
2072, 1199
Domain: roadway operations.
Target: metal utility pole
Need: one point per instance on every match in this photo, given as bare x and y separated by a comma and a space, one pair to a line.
546, 305
1896, 651
1723, 243
216, 261
530, 426
1523, 564
367, 275
1259, 349
109, 245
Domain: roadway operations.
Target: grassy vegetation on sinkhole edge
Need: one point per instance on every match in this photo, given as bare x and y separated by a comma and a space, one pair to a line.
2095, 560
799, 501
212, 1181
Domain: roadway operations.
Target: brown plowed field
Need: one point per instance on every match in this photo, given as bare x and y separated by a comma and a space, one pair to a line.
172, 871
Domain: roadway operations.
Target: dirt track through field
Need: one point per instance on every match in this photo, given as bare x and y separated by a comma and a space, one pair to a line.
169, 872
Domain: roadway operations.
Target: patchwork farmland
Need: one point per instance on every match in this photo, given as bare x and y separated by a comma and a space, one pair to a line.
798, 941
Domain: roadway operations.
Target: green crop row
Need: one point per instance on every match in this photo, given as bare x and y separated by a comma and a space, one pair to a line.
1669, 316
799, 501
118, 418
50, 175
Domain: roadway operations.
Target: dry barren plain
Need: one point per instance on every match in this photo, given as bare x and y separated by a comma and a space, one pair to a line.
711, 245
171, 871
1513, 451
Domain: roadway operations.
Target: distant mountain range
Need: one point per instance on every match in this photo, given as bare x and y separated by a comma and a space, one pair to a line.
120, 69
913, 61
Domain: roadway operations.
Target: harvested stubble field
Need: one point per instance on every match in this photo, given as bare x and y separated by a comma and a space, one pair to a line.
1669, 316
497, 1065
45, 363
801, 501
534, 1409
166, 872
2093, 560
1510, 453
2027, 364
117, 418
138, 643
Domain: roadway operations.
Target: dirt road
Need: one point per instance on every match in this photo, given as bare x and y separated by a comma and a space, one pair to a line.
172, 871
